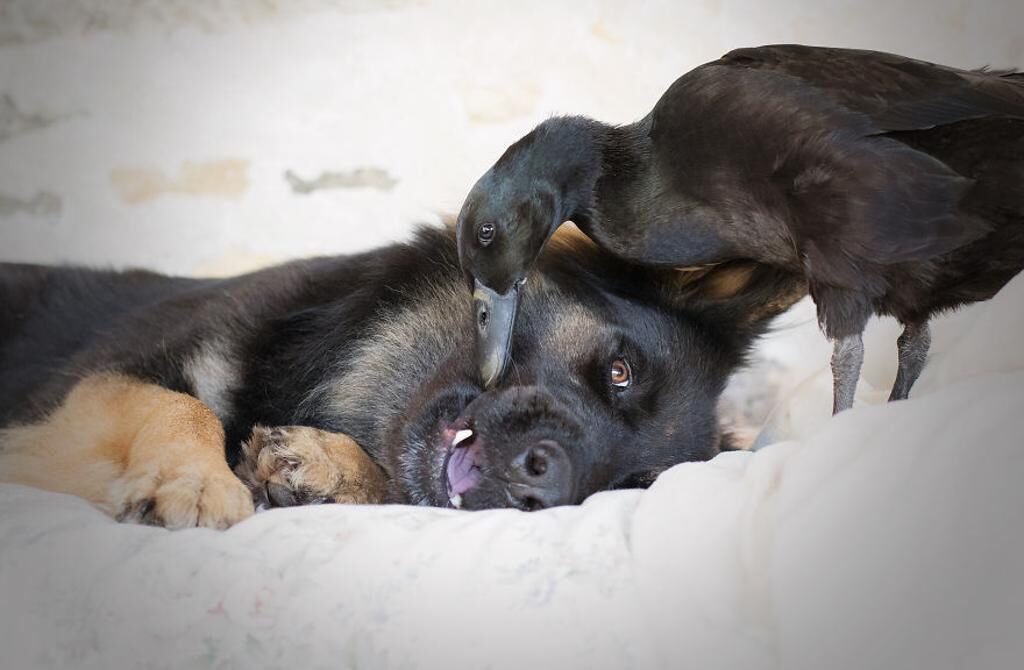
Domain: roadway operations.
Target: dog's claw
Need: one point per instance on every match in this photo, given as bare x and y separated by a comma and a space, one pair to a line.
281, 495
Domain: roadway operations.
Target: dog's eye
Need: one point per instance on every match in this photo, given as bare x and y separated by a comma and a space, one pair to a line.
619, 374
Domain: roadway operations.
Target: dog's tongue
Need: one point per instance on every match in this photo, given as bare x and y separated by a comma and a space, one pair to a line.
463, 469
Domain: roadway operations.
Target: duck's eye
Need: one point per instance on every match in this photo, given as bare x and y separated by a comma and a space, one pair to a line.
485, 234
619, 374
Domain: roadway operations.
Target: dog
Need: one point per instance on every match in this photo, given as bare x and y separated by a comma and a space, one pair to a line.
184, 402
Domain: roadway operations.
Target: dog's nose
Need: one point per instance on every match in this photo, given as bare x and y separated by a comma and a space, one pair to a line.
542, 477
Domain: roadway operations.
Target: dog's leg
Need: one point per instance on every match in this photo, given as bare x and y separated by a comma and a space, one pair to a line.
295, 465
138, 451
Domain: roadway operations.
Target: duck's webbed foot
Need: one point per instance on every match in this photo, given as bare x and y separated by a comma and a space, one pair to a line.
913, 346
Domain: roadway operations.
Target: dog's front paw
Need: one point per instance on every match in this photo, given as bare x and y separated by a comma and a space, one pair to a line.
187, 496
297, 465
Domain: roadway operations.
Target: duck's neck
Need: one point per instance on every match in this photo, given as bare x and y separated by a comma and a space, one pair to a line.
566, 152
578, 164
577, 154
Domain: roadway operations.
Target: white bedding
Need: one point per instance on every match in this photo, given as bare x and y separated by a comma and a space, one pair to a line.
889, 537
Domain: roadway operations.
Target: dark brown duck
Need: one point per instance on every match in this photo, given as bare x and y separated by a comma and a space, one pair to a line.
896, 186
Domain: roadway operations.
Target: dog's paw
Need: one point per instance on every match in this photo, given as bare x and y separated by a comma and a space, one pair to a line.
296, 465
185, 497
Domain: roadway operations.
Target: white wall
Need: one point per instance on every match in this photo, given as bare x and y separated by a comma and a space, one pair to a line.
158, 133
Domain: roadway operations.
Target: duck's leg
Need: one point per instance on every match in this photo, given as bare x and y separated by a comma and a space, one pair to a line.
913, 347
847, 357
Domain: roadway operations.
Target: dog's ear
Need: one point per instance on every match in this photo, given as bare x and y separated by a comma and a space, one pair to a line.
744, 293
736, 300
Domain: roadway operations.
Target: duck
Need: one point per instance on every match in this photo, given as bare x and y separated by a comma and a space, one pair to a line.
894, 185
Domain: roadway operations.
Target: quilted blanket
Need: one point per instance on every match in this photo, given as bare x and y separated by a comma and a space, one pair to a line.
890, 536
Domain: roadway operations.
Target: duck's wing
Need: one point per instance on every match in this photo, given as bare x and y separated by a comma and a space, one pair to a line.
787, 154
896, 92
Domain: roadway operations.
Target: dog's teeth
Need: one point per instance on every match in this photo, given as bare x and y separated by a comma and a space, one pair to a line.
456, 501
462, 436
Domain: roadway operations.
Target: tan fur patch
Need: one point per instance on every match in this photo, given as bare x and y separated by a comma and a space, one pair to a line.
782, 300
574, 323
686, 276
572, 239
767, 291
138, 451
311, 466
729, 281
569, 238
224, 178
409, 344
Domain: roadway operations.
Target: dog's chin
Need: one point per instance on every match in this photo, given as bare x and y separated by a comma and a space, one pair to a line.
431, 469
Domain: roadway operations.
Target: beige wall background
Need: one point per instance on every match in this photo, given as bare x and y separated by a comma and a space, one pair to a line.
210, 137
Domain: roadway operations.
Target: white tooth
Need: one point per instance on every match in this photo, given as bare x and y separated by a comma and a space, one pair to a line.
461, 436
456, 501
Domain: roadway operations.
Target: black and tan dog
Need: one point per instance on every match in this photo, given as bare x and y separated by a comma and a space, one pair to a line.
125, 388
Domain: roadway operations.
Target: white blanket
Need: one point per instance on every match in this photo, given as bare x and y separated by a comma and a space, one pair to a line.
889, 537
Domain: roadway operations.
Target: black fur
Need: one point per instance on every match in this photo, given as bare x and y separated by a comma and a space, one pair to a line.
376, 346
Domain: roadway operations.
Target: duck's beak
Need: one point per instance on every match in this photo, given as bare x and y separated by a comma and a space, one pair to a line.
495, 318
